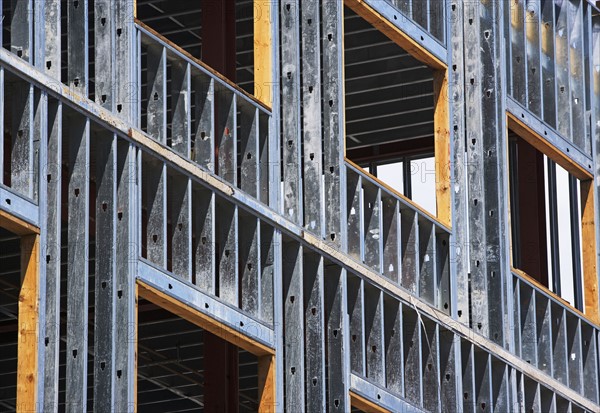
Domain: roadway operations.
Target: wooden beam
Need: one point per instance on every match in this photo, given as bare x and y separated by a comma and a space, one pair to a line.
202, 320
365, 405
263, 66
27, 361
16, 225
394, 33
266, 384
588, 242
442, 147
546, 148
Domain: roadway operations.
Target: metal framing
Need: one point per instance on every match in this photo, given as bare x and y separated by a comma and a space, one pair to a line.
151, 175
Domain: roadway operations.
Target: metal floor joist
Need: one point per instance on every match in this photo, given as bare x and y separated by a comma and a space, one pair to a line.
175, 214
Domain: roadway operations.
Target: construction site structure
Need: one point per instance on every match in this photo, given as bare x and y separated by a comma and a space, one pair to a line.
300, 205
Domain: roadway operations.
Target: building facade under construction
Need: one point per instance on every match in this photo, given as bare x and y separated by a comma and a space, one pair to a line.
300, 205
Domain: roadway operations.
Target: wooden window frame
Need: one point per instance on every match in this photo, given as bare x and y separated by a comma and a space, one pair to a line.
28, 318
358, 401
264, 354
441, 118
588, 225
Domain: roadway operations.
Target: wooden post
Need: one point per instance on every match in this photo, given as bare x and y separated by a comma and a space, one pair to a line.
27, 361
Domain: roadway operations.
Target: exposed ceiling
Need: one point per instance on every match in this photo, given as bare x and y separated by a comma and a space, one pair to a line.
388, 93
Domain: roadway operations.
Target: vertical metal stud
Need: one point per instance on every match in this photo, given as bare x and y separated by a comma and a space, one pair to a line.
180, 210
53, 172
311, 112
332, 13
290, 110
314, 319
227, 252
337, 339
203, 206
77, 265
375, 349
293, 302
249, 250
204, 145
105, 262
181, 127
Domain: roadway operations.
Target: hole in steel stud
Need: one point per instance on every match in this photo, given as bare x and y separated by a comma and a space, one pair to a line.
309, 21
314, 381
119, 373
482, 406
154, 237
460, 313
374, 349
330, 37
335, 333
336, 402
46, 341
447, 377
76, 4
203, 240
119, 108
249, 156
103, 285
378, 396
120, 216
287, 7
354, 338
293, 370
241, 324
313, 311
180, 226
227, 252
120, 294
103, 98
104, 206
119, 32
74, 354
102, 365
466, 396
292, 299
48, 64
103, 21
206, 305
170, 287
76, 192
